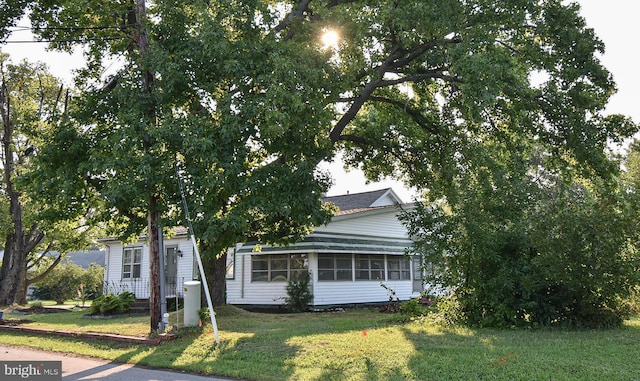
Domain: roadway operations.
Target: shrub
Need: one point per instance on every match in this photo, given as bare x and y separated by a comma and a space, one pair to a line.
111, 304
298, 293
68, 281
412, 308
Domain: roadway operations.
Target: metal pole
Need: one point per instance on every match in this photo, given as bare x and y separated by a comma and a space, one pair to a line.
206, 289
197, 254
163, 298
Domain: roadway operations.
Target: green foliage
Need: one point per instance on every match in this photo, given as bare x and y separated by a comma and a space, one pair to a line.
204, 315
411, 309
299, 294
245, 103
519, 245
111, 304
69, 281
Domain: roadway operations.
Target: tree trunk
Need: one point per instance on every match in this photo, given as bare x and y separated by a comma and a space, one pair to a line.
154, 266
21, 286
10, 273
218, 287
153, 212
216, 269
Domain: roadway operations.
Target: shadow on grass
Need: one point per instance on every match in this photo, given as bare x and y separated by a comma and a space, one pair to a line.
273, 347
368, 345
521, 354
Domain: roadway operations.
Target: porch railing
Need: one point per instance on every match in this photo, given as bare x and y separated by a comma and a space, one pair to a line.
140, 287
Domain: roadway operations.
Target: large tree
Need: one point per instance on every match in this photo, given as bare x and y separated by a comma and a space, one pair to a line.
32, 101
209, 99
245, 101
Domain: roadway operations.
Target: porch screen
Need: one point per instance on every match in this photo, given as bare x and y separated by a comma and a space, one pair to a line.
335, 267
277, 267
399, 267
370, 267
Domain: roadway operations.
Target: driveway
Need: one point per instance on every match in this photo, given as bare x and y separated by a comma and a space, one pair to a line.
85, 369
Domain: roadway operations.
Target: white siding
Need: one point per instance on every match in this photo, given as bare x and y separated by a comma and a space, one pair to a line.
325, 292
383, 223
376, 224
241, 290
355, 291
113, 266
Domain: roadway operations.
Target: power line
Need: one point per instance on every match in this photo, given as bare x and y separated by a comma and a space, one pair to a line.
36, 29
67, 40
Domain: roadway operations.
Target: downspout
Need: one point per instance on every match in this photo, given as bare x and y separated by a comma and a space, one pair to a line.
242, 278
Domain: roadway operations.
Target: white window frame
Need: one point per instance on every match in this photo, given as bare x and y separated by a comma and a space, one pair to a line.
131, 262
399, 265
365, 265
279, 267
333, 269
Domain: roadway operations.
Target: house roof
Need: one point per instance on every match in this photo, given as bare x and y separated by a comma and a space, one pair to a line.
364, 200
84, 259
332, 242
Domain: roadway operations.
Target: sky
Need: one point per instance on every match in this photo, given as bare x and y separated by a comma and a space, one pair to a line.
615, 22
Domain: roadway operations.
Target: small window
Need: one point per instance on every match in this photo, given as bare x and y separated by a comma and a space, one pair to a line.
399, 268
131, 262
335, 267
370, 267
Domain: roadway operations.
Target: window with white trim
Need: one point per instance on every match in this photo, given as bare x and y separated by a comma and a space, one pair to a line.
370, 267
335, 267
399, 267
131, 262
277, 267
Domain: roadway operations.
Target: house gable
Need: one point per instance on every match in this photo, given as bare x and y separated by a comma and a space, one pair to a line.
372, 199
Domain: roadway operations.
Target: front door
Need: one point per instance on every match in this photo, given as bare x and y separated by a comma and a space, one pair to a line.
170, 269
418, 285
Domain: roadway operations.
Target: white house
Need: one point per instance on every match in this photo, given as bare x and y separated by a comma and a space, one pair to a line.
127, 265
349, 259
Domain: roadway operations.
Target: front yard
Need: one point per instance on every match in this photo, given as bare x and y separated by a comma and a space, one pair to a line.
358, 344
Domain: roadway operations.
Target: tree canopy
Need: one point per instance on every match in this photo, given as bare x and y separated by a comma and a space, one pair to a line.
242, 98
31, 105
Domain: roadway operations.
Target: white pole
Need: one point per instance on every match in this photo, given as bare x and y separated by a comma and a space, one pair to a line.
206, 289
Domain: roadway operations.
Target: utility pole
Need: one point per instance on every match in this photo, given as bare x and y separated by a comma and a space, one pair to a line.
153, 217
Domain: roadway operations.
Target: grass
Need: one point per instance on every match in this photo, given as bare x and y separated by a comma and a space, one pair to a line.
359, 345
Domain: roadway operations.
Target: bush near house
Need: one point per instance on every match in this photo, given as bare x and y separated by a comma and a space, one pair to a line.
298, 293
111, 304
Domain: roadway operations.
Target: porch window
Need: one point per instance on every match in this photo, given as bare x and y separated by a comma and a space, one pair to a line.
277, 267
369, 267
335, 267
131, 262
399, 268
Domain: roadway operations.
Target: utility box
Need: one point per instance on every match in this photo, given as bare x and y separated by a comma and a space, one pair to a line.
191, 303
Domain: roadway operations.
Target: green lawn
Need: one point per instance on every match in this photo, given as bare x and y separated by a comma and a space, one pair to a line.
359, 345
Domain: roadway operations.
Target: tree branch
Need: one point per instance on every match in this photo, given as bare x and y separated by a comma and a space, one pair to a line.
415, 115
354, 139
46, 272
297, 13
418, 78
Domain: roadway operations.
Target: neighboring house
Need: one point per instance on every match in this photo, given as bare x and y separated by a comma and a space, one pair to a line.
85, 259
349, 259
127, 265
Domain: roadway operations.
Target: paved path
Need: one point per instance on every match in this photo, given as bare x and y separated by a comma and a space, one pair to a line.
87, 369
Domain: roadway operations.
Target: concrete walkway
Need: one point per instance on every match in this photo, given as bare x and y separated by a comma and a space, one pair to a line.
85, 369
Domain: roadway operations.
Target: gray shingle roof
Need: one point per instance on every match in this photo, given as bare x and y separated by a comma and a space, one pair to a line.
362, 200
85, 258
